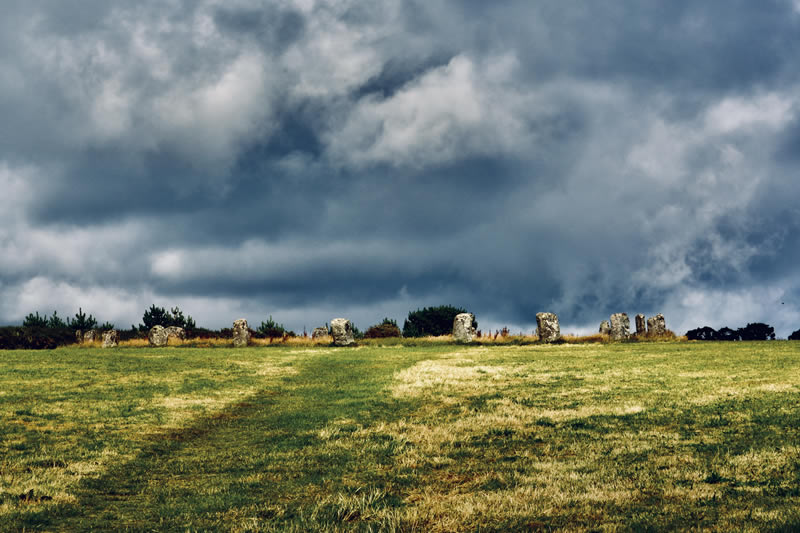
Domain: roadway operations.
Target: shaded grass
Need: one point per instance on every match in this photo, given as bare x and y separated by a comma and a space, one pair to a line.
639, 436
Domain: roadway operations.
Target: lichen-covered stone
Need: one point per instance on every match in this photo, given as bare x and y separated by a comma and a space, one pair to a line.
462, 327
641, 329
547, 327
319, 333
110, 338
176, 332
342, 332
91, 335
157, 336
620, 327
241, 333
656, 325
605, 327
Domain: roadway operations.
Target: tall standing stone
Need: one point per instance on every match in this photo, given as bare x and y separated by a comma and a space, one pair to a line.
110, 338
319, 333
342, 332
641, 329
620, 327
656, 325
241, 333
547, 327
158, 336
605, 328
462, 327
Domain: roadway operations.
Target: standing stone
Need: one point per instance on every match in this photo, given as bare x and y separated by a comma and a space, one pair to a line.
641, 330
91, 335
176, 332
605, 327
78, 336
241, 333
656, 325
319, 333
110, 338
158, 336
547, 327
620, 327
342, 332
462, 327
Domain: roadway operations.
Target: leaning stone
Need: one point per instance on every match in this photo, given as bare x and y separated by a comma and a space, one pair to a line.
656, 325
605, 327
158, 336
641, 329
462, 327
241, 333
110, 338
319, 333
620, 326
547, 327
342, 332
176, 332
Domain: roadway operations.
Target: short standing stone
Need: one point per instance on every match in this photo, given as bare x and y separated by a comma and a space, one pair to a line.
605, 328
319, 333
547, 327
656, 325
110, 338
176, 332
462, 327
620, 326
641, 329
78, 336
158, 336
91, 335
241, 333
342, 332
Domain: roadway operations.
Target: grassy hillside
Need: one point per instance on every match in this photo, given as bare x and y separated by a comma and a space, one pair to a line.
429, 438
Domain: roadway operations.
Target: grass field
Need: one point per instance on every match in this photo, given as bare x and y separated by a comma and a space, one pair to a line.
594, 437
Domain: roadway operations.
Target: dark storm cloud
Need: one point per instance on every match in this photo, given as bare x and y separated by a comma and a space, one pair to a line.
303, 158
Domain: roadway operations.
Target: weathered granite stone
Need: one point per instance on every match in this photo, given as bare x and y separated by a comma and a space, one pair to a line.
176, 332
620, 326
462, 327
78, 336
605, 327
241, 333
342, 332
319, 333
110, 338
656, 325
158, 336
547, 327
91, 335
641, 329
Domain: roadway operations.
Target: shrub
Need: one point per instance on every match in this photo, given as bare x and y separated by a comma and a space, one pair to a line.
757, 331
433, 321
795, 336
387, 328
702, 334
34, 338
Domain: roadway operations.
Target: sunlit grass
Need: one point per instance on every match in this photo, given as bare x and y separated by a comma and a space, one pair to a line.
435, 437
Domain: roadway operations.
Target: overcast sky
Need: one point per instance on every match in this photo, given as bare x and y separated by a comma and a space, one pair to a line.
309, 159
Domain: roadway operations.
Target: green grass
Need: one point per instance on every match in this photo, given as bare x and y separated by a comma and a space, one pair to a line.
639, 436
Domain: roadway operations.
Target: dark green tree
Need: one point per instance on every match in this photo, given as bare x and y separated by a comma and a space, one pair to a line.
271, 329
433, 321
387, 328
82, 322
35, 321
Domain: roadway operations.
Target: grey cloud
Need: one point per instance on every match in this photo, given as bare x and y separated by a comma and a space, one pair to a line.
307, 157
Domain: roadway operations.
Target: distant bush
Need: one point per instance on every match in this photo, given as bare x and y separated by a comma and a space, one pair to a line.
757, 331
433, 321
34, 338
795, 336
387, 328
